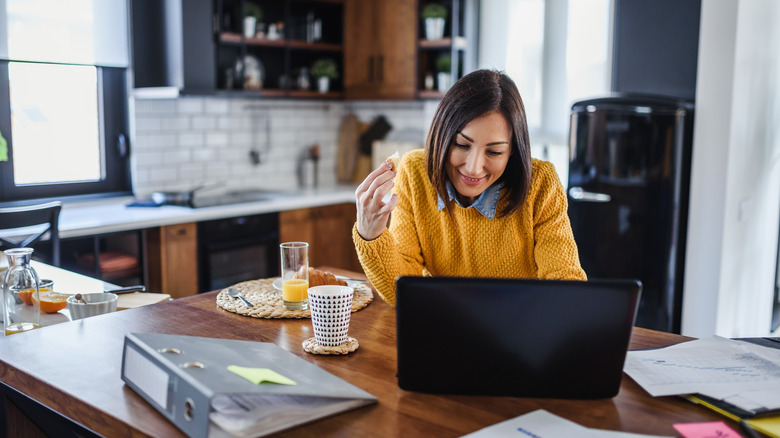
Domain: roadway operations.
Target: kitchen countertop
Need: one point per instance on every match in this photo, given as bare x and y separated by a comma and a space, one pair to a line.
113, 215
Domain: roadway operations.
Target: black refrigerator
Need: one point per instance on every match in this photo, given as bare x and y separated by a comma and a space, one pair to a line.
628, 188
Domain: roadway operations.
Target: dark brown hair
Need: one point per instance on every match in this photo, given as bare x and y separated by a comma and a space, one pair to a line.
471, 97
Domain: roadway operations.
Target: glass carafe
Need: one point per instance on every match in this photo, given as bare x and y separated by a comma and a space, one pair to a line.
21, 306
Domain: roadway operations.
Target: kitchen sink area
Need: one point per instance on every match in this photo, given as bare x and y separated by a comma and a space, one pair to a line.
238, 197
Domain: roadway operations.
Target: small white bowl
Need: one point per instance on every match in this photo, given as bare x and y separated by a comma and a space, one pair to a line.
97, 304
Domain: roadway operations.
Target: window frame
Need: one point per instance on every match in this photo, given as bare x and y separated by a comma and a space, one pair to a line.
113, 119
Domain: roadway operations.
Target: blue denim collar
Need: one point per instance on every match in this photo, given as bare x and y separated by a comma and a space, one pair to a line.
486, 203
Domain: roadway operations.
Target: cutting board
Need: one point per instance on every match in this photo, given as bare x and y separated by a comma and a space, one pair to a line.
348, 148
138, 299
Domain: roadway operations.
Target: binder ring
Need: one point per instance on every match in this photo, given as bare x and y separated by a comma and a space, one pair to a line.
189, 409
192, 365
169, 350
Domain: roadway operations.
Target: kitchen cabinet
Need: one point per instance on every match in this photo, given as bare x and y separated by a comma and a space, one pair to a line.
113, 257
173, 46
458, 45
380, 49
289, 36
171, 253
328, 230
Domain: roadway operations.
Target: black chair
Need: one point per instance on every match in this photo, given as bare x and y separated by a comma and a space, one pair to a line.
29, 216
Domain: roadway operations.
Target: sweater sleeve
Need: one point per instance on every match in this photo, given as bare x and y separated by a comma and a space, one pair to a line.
555, 250
396, 251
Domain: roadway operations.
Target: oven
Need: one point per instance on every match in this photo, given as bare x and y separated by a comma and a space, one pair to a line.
237, 249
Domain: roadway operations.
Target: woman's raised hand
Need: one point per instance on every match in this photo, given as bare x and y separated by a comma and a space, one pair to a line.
372, 213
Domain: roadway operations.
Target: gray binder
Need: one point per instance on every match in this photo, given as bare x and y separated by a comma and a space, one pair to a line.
186, 379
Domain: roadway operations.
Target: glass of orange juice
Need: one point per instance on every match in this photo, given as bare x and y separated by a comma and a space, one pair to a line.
295, 275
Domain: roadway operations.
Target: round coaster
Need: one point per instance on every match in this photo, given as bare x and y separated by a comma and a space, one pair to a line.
311, 346
267, 300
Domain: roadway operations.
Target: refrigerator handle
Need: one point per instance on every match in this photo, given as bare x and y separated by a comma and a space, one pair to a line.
581, 195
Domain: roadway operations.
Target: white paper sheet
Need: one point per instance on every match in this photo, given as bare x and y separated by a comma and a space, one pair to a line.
713, 366
543, 424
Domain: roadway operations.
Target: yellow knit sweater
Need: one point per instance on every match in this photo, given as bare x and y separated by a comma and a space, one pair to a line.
536, 242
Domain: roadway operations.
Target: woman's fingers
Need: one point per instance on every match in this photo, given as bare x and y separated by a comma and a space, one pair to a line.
372, 212
384, 168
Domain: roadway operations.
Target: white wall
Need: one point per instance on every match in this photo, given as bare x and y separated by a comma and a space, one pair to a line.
735, 180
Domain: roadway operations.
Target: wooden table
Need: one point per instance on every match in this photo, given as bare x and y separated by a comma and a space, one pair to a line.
73, 370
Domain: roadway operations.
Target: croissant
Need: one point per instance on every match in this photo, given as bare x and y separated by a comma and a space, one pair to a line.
393, 159
319, 278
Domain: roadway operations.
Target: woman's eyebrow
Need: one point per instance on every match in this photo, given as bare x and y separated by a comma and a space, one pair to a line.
489, 144
465, 136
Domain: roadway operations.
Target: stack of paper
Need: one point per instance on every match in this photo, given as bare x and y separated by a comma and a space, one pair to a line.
736, 378
541, 423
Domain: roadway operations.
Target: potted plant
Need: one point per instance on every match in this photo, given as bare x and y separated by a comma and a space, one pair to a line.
434, 15
324, 70
253, 14
444, 67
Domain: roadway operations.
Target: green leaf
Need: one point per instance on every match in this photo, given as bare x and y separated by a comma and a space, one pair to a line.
3, 148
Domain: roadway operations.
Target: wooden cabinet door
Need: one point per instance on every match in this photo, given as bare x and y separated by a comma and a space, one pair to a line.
397, 38
379, 49
328, 230
296, 226
172, 256
359, 47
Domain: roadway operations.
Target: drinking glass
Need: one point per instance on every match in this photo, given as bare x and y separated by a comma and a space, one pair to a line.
295, 275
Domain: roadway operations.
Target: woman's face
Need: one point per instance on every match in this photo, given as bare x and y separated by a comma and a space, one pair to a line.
478, 155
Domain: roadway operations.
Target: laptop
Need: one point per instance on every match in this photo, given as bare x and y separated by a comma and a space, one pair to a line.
514, 337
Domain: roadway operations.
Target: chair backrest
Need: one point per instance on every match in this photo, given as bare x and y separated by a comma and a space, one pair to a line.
30, 216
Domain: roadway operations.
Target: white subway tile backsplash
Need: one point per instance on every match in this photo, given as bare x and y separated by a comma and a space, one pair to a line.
156, 106
174, 124
203, 155
190, 105
216, 106
178, 157
153, 141
203, 123
180, 143
218, 139
190, 139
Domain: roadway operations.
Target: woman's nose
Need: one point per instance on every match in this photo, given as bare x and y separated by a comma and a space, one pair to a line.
474, 162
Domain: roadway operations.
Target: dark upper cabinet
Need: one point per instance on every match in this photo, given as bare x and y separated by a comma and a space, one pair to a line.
656, 47
289, 37
173, 46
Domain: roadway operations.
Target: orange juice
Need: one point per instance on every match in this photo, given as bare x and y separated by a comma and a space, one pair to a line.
294, 290
19, 327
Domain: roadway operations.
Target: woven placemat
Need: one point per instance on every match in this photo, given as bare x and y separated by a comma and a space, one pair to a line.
311, 346
267, 300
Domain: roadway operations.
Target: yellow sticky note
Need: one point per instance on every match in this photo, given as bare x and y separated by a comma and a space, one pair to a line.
260, 375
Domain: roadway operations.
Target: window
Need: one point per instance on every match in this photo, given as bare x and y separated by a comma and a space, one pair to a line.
63, 98
65, 126
556, 51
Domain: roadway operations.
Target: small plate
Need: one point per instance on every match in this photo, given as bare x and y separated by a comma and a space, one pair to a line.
350, 282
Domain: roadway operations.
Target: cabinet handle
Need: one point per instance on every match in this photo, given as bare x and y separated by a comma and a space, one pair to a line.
370, 69
380, 67
579, 194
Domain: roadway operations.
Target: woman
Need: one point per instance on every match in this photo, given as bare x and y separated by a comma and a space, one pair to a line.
473, 203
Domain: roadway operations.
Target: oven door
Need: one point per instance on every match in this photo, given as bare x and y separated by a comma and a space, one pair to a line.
237, 249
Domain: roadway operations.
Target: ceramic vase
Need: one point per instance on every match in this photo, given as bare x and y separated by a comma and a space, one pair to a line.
323, 84
443, 79
434, 28
249, 26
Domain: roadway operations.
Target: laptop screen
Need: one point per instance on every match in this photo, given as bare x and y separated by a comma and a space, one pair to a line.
515, 337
